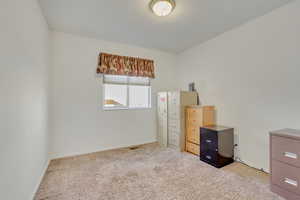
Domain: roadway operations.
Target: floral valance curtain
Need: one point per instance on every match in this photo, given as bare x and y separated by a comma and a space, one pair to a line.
123, 65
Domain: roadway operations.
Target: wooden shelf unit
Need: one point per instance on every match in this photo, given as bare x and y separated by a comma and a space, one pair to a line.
196, 117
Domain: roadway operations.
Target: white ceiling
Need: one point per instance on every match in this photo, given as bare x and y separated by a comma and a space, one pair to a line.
132, 22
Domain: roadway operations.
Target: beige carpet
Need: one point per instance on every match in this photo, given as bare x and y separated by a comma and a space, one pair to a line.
150, 173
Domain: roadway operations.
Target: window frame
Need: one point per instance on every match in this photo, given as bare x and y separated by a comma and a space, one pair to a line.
127, 95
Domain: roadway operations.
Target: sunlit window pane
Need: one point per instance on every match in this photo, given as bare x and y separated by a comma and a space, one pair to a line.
115, 96
126, 92
139, 96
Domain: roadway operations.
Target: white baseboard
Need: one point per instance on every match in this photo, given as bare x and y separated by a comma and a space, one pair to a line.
40, 179
252, 165
61, 156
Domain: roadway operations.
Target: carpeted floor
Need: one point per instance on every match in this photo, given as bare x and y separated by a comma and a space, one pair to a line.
150, 173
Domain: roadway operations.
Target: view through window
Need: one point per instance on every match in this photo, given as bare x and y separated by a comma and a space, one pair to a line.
126, 92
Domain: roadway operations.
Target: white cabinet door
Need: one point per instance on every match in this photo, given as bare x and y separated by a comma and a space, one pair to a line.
162, 111
173, 118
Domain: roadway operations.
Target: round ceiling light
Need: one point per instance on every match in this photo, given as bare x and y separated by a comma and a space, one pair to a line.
162, 7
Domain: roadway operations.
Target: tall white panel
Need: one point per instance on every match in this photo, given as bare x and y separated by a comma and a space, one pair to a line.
173, 118
162, 117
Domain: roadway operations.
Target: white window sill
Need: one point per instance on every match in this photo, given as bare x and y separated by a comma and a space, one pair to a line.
113, 109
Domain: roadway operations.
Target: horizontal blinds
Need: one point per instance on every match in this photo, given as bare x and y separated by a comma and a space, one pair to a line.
124, 80
114, 79
138, 81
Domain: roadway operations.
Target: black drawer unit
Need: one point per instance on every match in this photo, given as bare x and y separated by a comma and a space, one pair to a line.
216, 145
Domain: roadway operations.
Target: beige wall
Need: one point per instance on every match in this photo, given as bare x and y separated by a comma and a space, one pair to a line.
251, 75
78, 124
23, 98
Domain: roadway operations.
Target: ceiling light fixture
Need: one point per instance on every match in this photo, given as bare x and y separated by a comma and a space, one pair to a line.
162, 7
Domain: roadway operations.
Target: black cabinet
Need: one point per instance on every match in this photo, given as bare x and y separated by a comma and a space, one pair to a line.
216, 145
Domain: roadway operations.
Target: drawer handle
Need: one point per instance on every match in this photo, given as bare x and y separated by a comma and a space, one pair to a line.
208, 157
291, 182
208, 141
290, 155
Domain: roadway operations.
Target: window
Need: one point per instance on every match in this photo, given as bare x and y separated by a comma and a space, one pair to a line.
126, 92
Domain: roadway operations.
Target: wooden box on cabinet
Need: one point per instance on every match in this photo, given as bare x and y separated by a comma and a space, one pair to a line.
196, 117
285, 163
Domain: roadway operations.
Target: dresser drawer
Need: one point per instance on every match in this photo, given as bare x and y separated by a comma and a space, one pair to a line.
192, 148
194, 122
209, 140
193, 134
210, 156
286, 176
194, 113
286, 150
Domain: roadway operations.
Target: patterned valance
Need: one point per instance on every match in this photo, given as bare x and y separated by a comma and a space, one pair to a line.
123, 65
